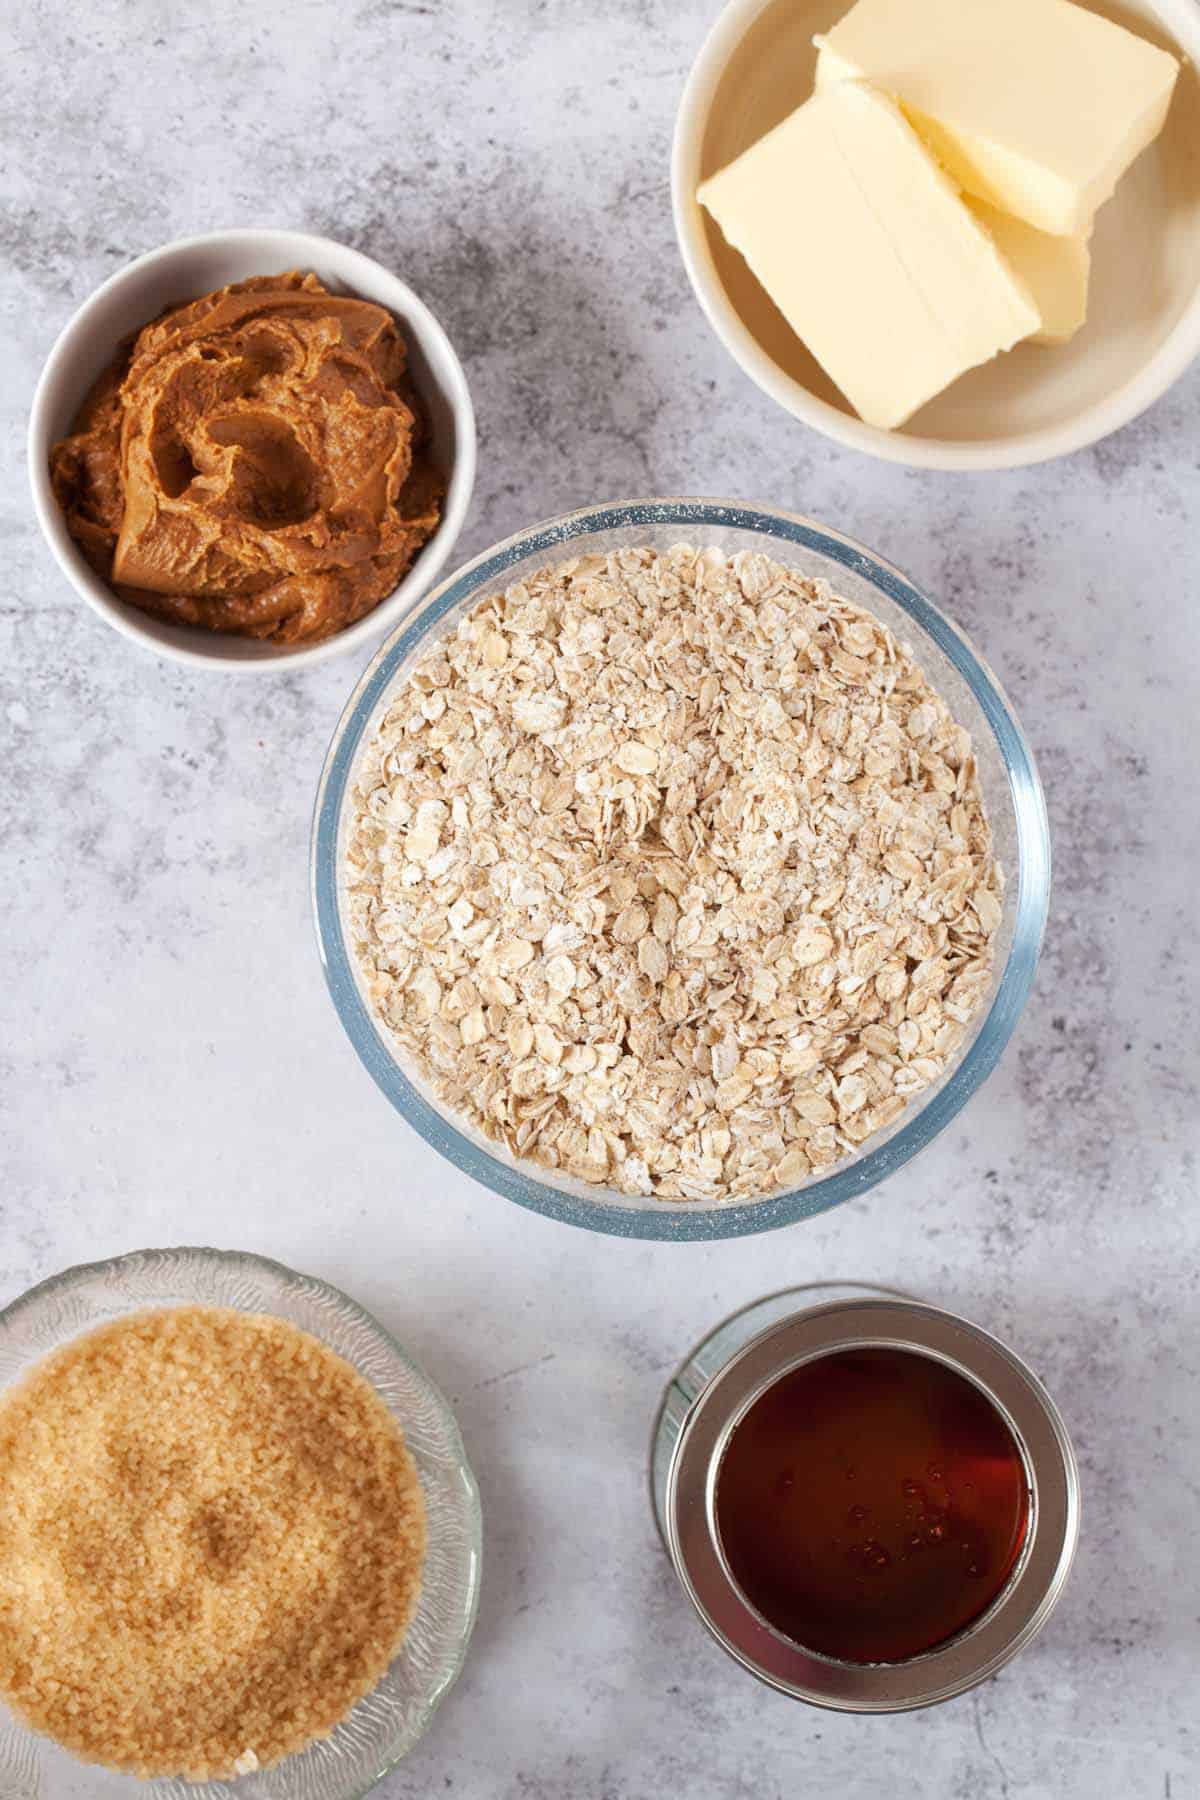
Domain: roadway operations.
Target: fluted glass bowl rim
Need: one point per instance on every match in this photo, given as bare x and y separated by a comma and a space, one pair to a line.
111, 1268
670, 1221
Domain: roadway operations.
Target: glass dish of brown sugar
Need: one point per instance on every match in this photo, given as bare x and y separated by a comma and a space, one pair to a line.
241, 1538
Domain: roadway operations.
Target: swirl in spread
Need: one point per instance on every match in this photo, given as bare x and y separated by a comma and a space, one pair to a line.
252, 463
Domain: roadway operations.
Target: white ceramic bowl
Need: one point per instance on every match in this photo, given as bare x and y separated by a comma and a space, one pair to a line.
183, 271
1143, 327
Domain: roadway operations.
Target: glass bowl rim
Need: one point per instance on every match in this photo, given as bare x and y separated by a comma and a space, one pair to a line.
206, 1255
670, 1221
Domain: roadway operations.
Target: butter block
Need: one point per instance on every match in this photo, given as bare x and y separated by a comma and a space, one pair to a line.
870, 253
1056, 270
1036, 106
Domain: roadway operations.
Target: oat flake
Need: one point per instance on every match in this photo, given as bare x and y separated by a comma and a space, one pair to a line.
685, 887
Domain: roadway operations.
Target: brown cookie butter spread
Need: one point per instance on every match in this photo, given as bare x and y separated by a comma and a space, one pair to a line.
252, 463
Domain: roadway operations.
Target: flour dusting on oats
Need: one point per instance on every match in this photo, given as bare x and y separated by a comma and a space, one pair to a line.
671, 872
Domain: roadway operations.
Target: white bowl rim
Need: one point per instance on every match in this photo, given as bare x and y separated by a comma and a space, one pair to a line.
1021, 450
425, 569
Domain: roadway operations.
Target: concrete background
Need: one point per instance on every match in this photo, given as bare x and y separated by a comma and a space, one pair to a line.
173, 1070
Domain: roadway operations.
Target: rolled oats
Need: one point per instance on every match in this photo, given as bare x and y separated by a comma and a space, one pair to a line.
671, 872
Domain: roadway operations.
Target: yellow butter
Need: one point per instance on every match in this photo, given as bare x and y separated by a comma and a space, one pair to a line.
869, 251
1056, 270
1036, 106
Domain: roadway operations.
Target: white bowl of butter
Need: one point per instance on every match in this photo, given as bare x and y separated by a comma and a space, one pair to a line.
930, 209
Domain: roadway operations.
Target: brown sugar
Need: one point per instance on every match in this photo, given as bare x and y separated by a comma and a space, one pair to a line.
211, 1542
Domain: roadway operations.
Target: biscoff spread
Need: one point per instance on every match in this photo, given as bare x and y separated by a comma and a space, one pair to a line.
254, 462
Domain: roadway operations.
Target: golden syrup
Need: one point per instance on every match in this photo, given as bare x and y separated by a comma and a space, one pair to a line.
872, 1504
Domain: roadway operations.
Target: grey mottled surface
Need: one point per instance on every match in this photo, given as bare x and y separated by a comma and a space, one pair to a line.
172, 1067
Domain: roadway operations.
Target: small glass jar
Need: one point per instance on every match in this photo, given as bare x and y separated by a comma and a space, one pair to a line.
739, 1362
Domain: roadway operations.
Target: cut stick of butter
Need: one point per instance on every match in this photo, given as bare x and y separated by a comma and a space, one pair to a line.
1054, 269
869, 252
1036, 106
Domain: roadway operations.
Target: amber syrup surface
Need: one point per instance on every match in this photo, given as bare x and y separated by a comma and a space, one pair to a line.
872, 1504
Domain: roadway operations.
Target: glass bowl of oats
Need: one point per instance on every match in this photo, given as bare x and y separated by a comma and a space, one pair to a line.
679, 870
241, 1549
